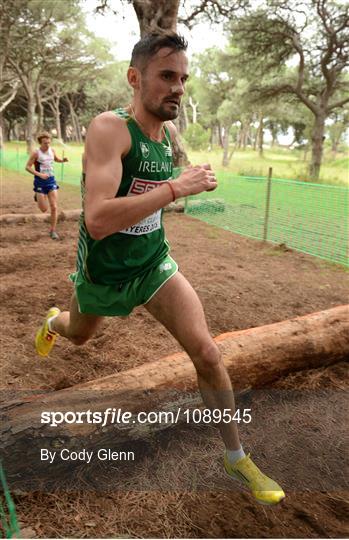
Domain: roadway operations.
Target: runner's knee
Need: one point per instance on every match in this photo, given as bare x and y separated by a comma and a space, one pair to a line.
207, 358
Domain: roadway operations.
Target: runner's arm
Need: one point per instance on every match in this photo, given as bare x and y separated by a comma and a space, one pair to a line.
30, 166
108, 139
59, 160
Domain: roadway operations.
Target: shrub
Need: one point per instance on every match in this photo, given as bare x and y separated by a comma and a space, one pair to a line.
196, 137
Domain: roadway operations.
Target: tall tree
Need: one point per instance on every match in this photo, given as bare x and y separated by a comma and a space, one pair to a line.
31, 46
9, 80
165, 14
336, 130
313, 34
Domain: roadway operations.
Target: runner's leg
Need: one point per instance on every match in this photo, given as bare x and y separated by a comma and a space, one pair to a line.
52, 198
177, 306
42, 202
75, 326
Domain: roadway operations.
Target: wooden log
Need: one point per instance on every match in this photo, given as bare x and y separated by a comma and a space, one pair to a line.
70, 215
254, 358
66, 215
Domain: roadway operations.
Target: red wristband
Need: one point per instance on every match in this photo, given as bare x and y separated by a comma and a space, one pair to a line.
173, 191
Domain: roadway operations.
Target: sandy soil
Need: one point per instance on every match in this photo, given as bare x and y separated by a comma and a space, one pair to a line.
242, 283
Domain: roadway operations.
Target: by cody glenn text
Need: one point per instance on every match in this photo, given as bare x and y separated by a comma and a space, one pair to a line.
84, 455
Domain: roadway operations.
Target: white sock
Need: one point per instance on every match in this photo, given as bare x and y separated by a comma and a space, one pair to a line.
235, 455
49, 322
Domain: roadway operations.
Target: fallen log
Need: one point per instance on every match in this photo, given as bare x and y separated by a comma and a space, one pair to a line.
69, 215
254, 358
65, 215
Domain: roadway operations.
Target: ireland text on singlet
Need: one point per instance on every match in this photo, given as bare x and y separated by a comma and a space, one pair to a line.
124, 255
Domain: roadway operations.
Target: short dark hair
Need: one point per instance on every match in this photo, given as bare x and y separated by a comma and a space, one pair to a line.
150, 44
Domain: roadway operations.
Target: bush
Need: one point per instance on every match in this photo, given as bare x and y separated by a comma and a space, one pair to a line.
196, 137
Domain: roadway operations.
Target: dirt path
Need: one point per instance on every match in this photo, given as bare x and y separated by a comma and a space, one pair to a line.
298, 429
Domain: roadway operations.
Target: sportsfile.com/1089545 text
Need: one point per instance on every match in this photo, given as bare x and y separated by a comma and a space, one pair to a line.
113, 415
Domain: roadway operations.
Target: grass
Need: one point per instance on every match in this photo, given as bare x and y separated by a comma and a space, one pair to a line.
287, 164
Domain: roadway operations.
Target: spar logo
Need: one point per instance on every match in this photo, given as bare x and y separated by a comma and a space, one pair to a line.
140, 186
144, 149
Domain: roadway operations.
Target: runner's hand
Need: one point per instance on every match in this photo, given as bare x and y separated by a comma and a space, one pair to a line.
208, 167
44, 176
194, 180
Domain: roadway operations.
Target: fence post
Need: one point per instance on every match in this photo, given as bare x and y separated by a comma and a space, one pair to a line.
267, 206
17, 154
62, 168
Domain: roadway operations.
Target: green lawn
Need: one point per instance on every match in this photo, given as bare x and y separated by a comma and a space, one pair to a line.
287, 164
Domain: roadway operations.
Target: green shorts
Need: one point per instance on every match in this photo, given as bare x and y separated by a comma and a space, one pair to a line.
121, 299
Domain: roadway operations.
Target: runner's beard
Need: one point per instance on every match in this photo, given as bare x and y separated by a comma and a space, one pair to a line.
166, 111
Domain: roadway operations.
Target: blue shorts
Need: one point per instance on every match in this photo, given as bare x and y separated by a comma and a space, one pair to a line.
44, 186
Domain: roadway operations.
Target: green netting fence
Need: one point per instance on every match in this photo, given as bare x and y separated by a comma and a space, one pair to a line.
9, 526
312, 218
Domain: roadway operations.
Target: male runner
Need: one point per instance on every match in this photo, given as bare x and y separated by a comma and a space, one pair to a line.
123, 256
40, 164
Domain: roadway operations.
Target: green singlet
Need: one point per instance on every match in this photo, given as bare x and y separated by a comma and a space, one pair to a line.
110, 271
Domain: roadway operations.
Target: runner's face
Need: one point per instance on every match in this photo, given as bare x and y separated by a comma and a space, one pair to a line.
162, 83
45, 143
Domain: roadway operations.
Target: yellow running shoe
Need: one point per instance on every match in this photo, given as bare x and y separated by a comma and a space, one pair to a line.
45, 338
264, 489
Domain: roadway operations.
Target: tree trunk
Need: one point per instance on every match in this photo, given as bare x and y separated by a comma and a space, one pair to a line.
63, 123
154, 16
183, 118
248, 135
75, 122
57, 117
336, 141
305, 153
225, 161
240, 135
30, 122
260, 135
214, 141
1, 131
194, 108
334, 148
40, 119
220, 135
317, 140
255, 140
6, 130
78, 129
10, 129
254, 358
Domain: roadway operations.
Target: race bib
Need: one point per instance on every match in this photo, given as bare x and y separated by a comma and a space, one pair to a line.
152, 222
